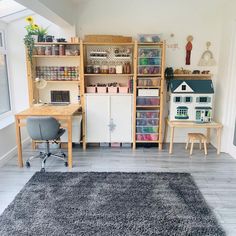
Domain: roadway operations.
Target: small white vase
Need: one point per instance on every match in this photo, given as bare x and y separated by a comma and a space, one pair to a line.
35, 37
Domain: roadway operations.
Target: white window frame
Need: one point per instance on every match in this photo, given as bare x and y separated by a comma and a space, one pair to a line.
179, 98
6, 118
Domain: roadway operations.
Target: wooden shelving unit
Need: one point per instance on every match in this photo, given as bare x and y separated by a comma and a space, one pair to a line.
148, 119
85, 78
48, 61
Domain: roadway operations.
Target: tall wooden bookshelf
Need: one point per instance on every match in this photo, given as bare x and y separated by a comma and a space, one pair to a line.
149, 89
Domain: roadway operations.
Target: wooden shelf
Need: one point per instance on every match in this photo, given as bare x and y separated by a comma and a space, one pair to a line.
115, 44
157, 106
192, 75
151, 44
148, 87
139, 141
149, 75
54, 56
110, 75
55, 43
64, 81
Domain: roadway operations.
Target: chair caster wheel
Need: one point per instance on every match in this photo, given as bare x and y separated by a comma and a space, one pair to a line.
66, 164
42, 170
27, 164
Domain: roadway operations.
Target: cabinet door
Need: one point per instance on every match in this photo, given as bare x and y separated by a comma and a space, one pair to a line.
121, 117
97, 118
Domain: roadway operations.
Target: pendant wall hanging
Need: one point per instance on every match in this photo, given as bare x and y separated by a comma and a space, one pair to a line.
207, 58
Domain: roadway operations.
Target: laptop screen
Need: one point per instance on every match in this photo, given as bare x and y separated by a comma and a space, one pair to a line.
60, 96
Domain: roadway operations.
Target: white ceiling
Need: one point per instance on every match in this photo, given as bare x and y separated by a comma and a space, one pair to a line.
8, 7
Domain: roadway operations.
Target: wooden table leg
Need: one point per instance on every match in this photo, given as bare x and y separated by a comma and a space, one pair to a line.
172, 131
208, 135
69, 130
18, 142
218, 140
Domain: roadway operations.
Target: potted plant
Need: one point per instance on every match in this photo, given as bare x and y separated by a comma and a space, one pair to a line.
41, 32
31, 36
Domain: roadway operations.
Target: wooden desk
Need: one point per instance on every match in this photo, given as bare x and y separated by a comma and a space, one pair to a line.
62, 113
190, 124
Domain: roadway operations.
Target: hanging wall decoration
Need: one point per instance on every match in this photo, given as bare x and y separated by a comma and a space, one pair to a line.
188, 48
207, 58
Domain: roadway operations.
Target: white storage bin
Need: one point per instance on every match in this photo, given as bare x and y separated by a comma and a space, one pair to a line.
76, 130
148, 92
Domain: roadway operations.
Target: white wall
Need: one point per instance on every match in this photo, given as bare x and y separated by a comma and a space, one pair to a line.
17, 73
182, 18
226, 83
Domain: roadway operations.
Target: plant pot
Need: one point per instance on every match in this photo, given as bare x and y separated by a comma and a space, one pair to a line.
35, 38
49, 38
41, 38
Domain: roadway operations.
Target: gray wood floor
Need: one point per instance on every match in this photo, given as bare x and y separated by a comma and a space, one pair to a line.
214, 175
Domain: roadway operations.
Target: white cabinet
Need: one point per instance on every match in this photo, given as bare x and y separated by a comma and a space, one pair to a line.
108, 118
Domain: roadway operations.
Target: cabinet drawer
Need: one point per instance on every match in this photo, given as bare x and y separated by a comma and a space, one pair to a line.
149, 69
146, 129
148, 114
148, 101
149, 61
147, 137
149, 81
148, 92
147, 122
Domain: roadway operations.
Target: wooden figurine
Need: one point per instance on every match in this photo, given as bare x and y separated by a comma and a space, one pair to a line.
189, 47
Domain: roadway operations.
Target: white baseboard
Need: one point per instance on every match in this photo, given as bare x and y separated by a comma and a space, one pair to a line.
12, 152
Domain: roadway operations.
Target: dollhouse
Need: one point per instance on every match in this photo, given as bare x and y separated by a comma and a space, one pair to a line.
191, 100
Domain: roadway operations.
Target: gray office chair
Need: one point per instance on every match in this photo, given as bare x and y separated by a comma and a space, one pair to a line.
47, 129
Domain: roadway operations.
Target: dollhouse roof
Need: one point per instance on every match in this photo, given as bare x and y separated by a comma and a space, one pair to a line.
197, 86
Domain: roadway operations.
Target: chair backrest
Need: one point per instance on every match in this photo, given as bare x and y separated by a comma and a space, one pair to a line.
42, 127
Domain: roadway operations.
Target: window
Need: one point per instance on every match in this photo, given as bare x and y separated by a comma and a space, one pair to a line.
188, 99
177, 99
183, 87
5, 104
181, 113
203, 99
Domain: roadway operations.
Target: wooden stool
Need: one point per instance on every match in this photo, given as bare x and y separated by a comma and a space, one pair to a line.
199, 137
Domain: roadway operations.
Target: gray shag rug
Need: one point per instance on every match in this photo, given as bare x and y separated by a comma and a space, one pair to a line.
111, 204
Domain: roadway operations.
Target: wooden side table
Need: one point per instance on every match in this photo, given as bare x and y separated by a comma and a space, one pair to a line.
191, 124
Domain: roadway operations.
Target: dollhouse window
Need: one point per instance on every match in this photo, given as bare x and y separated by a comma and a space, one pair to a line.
188, 99
177, 99
183, 87
181, 112
203, 99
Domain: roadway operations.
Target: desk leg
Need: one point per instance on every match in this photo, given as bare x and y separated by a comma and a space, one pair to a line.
18, 142
172, 131
208, 135
218, 140
69, 129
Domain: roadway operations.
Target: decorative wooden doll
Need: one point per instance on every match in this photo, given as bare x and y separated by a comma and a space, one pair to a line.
189, 47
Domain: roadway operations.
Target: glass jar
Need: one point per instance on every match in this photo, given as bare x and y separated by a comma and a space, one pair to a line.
104, 68
112, 68
55, 50
89, 68
119, 68
61, 50
41, 50
48, 50
96, 68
